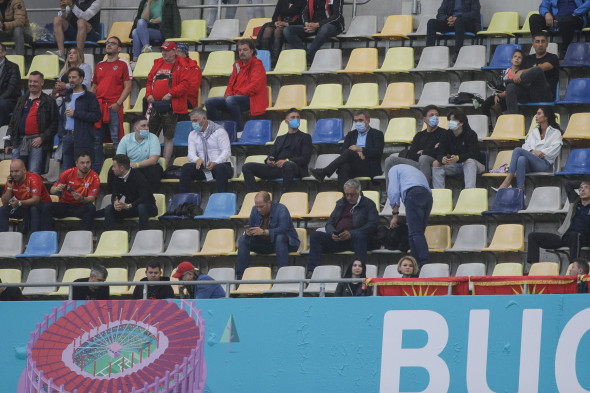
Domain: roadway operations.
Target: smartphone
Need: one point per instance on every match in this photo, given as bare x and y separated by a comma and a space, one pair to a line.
337, 233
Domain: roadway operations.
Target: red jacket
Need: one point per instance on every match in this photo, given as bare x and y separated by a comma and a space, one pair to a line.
196, 76
250, 81
180, 83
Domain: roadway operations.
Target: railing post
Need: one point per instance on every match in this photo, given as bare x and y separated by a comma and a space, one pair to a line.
323, 289
227, 288
145, 290
70, 294
219, 9
301, 283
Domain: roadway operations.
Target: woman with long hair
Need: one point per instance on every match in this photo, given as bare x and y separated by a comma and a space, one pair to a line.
357, 269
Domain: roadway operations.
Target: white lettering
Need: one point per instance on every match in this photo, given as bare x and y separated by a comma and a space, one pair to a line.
567, 349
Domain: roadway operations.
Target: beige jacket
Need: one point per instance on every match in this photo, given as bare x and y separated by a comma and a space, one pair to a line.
15, 15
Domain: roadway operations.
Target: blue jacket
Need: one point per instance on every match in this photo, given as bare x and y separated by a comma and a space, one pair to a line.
551, 6
471, 9
280, 223
86, 113
208, 291
364, 216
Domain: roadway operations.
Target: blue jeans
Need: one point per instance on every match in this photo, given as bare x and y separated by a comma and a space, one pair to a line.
256, 244
113, 127
31, 216
418, 205
35, 161
234, 105
295, 34
322, 243
524, 161
143, 35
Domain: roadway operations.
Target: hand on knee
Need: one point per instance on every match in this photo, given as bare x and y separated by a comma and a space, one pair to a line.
436, 164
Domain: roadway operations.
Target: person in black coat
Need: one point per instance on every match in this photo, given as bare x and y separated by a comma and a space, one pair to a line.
357, 269
9, 86
10, 293
288, 158
98, 273
270, 36
153, 272
361, 153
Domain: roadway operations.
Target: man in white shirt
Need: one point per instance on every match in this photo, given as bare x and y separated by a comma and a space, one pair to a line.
209, 152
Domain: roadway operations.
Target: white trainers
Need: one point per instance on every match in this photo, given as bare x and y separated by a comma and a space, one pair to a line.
57, 53
147, 49
132, 64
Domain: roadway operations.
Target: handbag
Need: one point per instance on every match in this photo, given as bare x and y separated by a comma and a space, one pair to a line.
162, 106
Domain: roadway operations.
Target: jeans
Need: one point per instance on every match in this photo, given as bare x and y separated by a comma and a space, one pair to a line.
263, 171
19, 37
469, 169
460, 26
234, 105
60, 210
418, 205
144, 211
524, 161
322, 243
113, 127
221, 173
571, 239
424, 163
258, 245
532, 88
143, 35
295, 34
35, 161
31, 216
230, 13
6, 107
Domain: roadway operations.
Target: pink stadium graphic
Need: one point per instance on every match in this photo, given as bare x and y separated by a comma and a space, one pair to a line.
117, 347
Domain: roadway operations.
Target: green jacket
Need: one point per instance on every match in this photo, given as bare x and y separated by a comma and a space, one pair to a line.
170, 24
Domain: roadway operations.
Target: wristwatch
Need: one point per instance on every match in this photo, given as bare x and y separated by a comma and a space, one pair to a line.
20, 203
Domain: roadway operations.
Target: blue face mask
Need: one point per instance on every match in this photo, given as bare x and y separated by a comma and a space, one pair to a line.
453, 125
294, 123
196, 126
144, 134
433, 121
360, 126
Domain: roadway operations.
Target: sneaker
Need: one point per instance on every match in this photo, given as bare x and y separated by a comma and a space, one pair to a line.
132, 64
308, 275
147, 49
497, 188
59, 55
318, 174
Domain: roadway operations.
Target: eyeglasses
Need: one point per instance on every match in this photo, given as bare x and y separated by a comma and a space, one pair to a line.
115, 43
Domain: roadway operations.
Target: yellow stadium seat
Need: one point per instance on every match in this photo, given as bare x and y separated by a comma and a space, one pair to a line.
138, 106
324, 204
526, 28
507, 238
326, 97
122, 30
111, 244
4, 171
247, 205
398, 60
578, 127
217, 91
296, 203
70, 275
48, 65
399, 95
438, 237
472, 201
374, 196
11, 276
19, 60
257, 158
362, 95
144, 64
303, 246
361, 61
508, 128
218, 242
139, 274
400, 130
117, 274
283, 129
503, 24
195, 56
252, 24
191, 30
254, 273
396, 27
219, 63
443, 122
502, 158
544, 269
290, 96
442, 201
507, 269
290, 62
160, 204
104, 171
179, 161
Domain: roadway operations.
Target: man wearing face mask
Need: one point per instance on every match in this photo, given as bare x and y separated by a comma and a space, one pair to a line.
424, 148
143, 149
360, 155
209, 153
458, 153
288, 157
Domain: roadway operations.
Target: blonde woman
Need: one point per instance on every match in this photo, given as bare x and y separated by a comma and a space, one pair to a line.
74, 58
408, 267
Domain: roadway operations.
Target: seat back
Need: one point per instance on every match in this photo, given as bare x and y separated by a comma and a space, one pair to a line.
578, 162
288, 273
508, 201
283, 129
508, 127
291, 61
11, 244
144, 64
254, 273
256, 132
362, 60
247, 205
71, 275
41, 243
138, 105
217, 91
503, 22
327, 96
40, 276
471, 56
398, 26
508, 237
391, 272
19, 60
117, 274
544, 269
324, 203
433, 270
291, 96
48, 65
219, 241
545, 199
435, 93
374, 196
472, 201
438, 237
577, 55
148, 241
434, 58
183, 129
219, 62
471, 238
400, 130
225, 29
502, 56
363, 95
296, 203
502, 158
76, 243
324, 272
578, 126
442, 201
113, 243
475, 87
371, 271
507, 269
193, 29
326, 61
259, 158
577, 91
361, 26
230, 127
223, 273
264, 56
183, 242
12, 276
399, 59
526, 27
479, 124
471, 269
399, 95
221, 204
327, 131
122, 30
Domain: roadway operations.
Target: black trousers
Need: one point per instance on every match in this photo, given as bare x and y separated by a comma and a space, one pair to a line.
61, 210
288, 172
567, 25
460, 26
189, 172
349, 165
571, 239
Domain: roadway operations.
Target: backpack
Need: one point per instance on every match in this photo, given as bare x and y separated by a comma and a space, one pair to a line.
187, 209
393, 238
466, 98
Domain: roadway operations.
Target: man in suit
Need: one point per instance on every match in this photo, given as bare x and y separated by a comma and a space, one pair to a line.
361, 153
288, 158
9, 86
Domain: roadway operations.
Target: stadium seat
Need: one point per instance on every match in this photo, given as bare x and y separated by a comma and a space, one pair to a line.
183, 129
434, 93
252, 24
111, 244
544, 269
433, 270
223, 30
218, 242
507, 269
230, 127
178, 161
184, 242
48, 65
362, 27
442, 201
577, 55
283, 129
326, 97
288, 273
106, 200
438, 237
148, 242
396, 27
4, 171
508, 128
432, 59
191, 31
296, 203
327, 131
526, 27
578, 127
40, 276
12, 276
217, 91
371, 271
503, 24
71, 275
76, 244
322, 161
507, 238
324, 272
139, 274
544, 200
19, 60
399, 95
508, 201
471, 270
471, 202
422, 26
290, 96
400, 131
122, 30
391, 272
479, 124
470, 238
254, 273
578, 163
222, 274
178, 200
219, 63
256, 133
397, 60
361, 61
117, 274
503, 158
362, 95
502, 57
326, 61
257, 158
144, 64
577, 92
290, 62
41, 244
11, 244
221, 206
324, 204
470, 58
374, 196
479, 88
246, 209
264, 56
138, 106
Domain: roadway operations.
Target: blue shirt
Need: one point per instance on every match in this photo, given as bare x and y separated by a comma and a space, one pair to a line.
458, 8
566, 7
208, 291
139, 151
402, 177
361, 139
72, 105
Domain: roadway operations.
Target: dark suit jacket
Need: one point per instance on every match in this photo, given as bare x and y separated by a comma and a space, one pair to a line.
373, 149
136, 189
471, 9
300, 151
10, 81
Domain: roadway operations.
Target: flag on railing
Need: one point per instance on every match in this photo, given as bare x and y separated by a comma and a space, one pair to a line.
510, 285
420, 286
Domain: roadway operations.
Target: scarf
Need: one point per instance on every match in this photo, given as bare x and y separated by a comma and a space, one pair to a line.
204, 136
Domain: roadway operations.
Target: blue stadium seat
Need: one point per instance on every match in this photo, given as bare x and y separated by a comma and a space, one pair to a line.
502, 56
577, 55
256, 133
578, 92
41, 244
221, 206
183, 128
264, 56
178, 200
327, 131
578, 163
508, 201
230, 127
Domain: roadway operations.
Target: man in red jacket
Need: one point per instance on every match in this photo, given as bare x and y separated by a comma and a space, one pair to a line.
246, 89
196, 75
166, 91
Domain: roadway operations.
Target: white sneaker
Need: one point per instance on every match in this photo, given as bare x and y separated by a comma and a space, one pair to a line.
57, 53
496, 188
132, 64
147, 49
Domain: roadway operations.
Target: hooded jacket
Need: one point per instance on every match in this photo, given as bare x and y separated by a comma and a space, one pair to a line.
250, 80
180, 83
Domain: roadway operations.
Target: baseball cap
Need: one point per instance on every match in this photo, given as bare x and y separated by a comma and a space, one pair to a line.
183, 47
183, 267
168, 45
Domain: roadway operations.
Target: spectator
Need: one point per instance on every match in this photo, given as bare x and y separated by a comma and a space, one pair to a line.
360, 154
9, 86
75, 58
424, 148
112, 84
269, 230
167, 89
458, 153
410, 185
351, 227
14, 24
10, 294
230, 12
246, 89
322, 19
79, 112
563, 16
537, 79
580, 268
98, 273
357, 269
78, 20
574, 232
506, 77
153, 272
209, 153
33, 126
288, 157
78, 187
24, 197
130, 196
143, 149
408, 267
187, 272
195, 76
539, 151
458, 16
270, 36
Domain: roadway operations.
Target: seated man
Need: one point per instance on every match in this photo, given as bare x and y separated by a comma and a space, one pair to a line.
288, 157
246, 89
14, 24
78, 20
153, 272
458, 153
187, 272
98, 273
351, 227
209, 152
574, 232
269, 230
10, 293
79, 187
360, 154
9, 86
130, 196
537, 78
24, 197
324, 19
143, 149
579, 268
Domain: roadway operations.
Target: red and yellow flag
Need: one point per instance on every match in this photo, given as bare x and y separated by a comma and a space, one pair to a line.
510, 285
420, 286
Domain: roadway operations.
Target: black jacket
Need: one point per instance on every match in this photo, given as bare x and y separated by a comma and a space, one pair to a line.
10, 81
154, 291
364, 216
351, 289
136, 189
334, 16
86, 113
301, 150
373, 149
426, 141
465, 145
84, 293
47, 116
170, 23
471, 9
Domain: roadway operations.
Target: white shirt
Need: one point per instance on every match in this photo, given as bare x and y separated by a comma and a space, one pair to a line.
218, 146
551, 145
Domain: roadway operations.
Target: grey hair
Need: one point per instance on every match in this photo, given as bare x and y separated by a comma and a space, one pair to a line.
99, 270
353, 183
362, 112
199, 112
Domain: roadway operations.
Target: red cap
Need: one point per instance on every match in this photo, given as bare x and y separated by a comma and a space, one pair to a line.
168, 45
183, 268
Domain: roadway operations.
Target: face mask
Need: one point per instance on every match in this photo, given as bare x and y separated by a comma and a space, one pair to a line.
144, 134
453, 125
360, 126
433, 121
294, 123
196, 126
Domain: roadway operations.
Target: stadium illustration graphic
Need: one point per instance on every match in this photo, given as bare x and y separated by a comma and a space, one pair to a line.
117, 347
